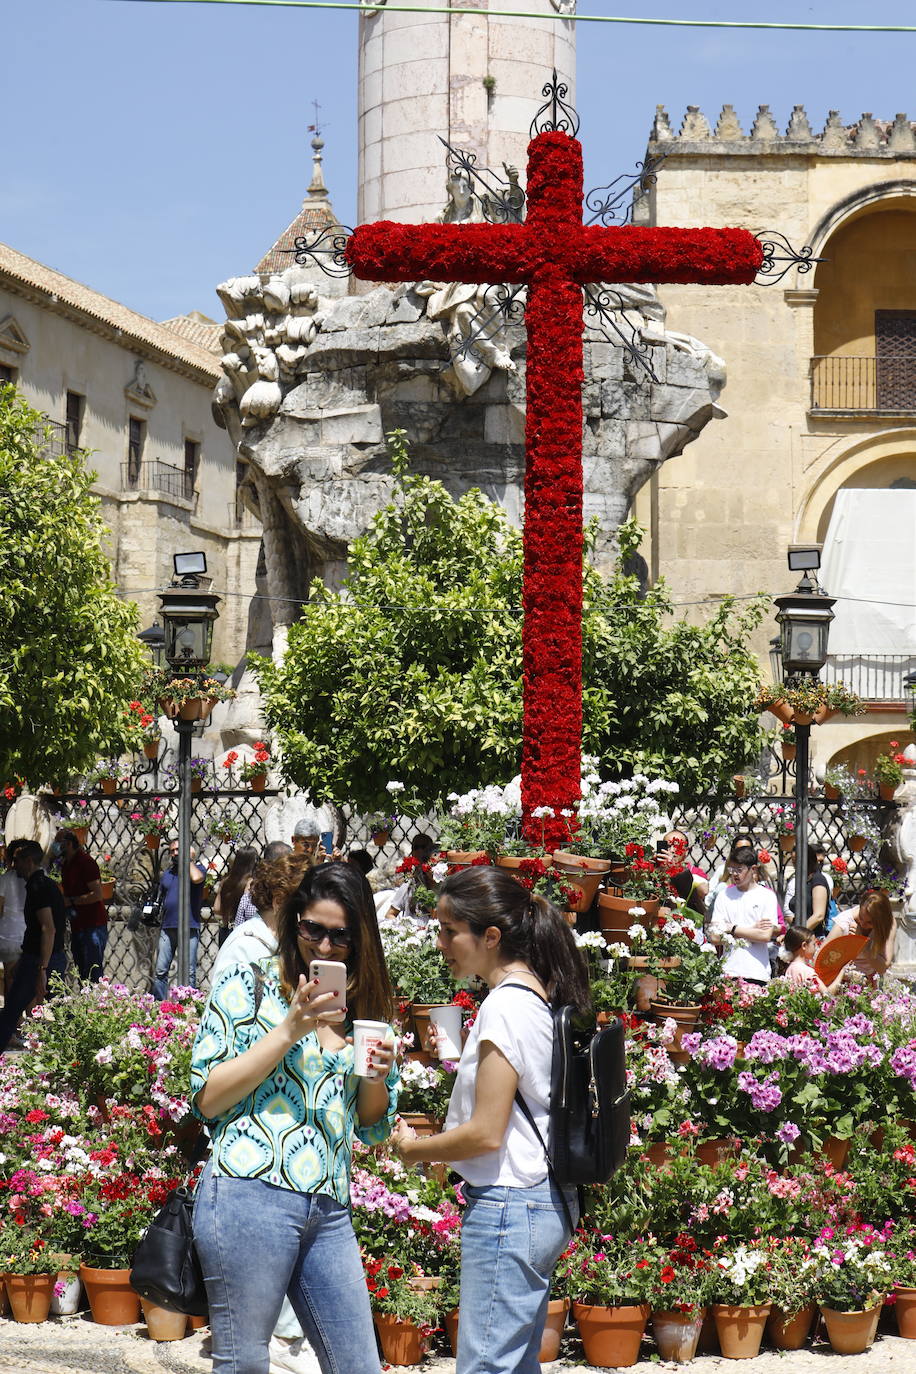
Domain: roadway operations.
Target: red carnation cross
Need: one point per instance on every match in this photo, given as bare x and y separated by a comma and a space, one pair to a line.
555, 255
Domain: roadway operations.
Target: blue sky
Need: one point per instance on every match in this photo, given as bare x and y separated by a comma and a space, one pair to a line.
151, 150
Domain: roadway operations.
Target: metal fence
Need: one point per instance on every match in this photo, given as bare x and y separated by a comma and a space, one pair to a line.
874, 677
155, 475
846, 383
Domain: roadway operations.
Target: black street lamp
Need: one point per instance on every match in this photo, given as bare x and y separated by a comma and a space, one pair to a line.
188, 611
154, 639
804, 618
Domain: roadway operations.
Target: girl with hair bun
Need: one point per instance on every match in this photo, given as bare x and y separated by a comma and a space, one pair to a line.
517, 1221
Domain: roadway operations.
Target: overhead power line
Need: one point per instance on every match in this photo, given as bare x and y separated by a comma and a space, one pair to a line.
565, 18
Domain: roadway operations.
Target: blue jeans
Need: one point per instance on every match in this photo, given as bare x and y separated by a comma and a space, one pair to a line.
22, 990
257, 1242
168, 943
88, 950
511, 1238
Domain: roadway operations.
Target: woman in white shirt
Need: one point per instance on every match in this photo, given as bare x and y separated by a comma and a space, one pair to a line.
517, 1221
747, 912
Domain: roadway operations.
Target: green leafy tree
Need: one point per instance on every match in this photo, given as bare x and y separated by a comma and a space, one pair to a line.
69, 657
412, 670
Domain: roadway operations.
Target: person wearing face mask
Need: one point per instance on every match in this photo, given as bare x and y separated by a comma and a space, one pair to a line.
168, 935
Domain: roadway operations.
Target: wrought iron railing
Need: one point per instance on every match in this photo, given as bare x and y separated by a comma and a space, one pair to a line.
841, 382
55, 444
873, 677
155, 475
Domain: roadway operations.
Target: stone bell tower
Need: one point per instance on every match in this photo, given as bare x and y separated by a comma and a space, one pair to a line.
473, 78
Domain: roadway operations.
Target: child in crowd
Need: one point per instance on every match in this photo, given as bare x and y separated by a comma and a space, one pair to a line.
801, 947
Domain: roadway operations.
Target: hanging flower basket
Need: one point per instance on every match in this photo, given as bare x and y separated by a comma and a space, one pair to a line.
192, 708
151, 747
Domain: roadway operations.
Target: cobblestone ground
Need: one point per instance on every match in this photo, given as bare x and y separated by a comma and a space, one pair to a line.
75, 1345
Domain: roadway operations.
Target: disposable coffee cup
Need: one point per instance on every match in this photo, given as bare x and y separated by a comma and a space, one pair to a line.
447, 1021
367, 1037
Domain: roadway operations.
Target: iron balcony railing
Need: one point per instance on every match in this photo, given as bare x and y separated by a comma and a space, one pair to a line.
157, 476
55, 444
873, 677
857, 384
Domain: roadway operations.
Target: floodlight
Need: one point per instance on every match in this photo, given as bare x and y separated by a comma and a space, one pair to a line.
804, 557
190, 564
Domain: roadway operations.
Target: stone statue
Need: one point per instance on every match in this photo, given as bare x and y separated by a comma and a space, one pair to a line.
641, 310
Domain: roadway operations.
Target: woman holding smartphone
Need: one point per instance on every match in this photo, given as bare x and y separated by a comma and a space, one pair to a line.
517, 1221
272, 1077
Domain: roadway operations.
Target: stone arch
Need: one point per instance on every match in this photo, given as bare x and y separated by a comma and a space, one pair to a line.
882, 460
858, 203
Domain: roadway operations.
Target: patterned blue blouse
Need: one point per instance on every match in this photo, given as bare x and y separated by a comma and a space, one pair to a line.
295, 1130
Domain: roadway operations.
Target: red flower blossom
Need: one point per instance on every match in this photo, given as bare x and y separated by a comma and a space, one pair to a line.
764, 856
35, 1116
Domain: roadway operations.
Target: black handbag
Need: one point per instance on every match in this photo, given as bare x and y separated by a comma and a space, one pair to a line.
165, 1268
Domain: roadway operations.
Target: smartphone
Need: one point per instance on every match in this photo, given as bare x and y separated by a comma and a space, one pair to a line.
660, 845
327, 841
332, 977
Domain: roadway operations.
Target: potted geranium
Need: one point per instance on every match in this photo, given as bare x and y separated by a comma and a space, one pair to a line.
783, 818
105, 774
151, 824
225, 828
107, 875
142, 729
405, 1315
418, 972
78, 823
787, 742
476, 824
680, 1291
380, 825
889, 772
425, 1093
808, 701
30, 1269
254, 770
740, 1292
191, 698
792, 1268
904, 1247
854, 1275
861, 828
642, 884
609, 1280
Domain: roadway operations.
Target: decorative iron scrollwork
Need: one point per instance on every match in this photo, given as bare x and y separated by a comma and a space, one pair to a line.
602, 305
778, 250
604, 202
498, 300
556, 115
326, 248
502, 201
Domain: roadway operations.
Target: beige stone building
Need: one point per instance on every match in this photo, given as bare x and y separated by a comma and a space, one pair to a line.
137, 395
819, 443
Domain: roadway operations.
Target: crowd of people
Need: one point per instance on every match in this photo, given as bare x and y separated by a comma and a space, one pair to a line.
275, 1080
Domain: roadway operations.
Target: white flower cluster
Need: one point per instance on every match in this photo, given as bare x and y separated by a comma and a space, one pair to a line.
742, 1264
494, 801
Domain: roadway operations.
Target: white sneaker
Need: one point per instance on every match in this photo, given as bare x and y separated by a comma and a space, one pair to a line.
292, 1357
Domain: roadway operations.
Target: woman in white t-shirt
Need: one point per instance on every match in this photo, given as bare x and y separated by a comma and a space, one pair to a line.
517, 1221
748, 913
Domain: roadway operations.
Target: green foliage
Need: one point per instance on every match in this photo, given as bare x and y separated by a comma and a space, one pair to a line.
412, 669
69, 658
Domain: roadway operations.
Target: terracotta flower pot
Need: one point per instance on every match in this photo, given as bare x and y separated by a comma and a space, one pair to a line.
740, 1328
788, 751
708, 1343
803, 717
30, 1296
787, 843
781, 710
380, 837
831, 793
109, 786
887, 790
112, 1300
463, 858
107, 889
80, 833
789, 1330
611, 1336
713, 1152
197, 784
658, 1152
401, 1341
582, 874
857, 843
740, 786
677, 1334
259, 783
836, 1150
557, 1312
685, 1018
451, 1329
823, 714
197, 708
905, 1312
851, 1333
162, 1324
615, 918
152, 840
4, 1297
423, 1123
151, 748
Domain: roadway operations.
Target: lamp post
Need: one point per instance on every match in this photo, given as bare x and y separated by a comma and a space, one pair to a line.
188, 611
804, 618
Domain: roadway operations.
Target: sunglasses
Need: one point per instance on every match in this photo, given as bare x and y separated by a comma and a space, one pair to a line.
340, 937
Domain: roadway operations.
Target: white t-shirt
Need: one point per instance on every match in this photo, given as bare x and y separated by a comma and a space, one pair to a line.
519, 1024
12, 922
736, 908
247, 944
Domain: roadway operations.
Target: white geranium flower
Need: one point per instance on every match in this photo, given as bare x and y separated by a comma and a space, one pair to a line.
394, 787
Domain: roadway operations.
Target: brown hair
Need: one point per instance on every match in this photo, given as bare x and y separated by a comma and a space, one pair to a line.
876, 905
795, 938
231, 888
273, 882
530, 927
369, 995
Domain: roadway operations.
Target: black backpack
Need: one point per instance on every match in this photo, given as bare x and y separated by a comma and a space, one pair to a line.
589, 1101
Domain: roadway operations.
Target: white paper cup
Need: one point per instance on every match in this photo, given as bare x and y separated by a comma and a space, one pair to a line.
447, 1021
367, 1036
